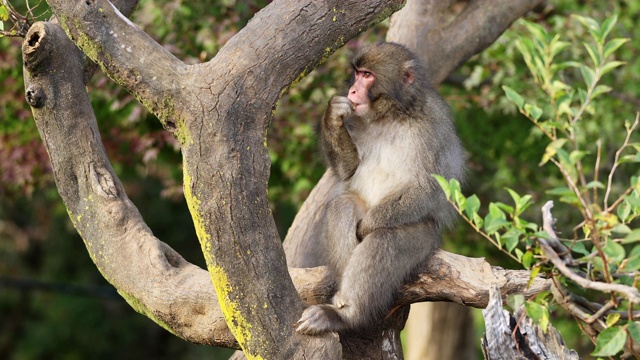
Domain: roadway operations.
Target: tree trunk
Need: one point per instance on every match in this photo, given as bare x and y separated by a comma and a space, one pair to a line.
219, 111
437, 331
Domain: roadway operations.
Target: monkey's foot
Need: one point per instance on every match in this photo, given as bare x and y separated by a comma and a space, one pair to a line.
338, 301
319, 319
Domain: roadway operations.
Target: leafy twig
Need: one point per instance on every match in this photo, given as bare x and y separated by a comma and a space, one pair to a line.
629, 292
482, 233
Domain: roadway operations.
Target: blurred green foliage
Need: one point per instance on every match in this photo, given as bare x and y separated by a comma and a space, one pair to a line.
38, 242
517, 144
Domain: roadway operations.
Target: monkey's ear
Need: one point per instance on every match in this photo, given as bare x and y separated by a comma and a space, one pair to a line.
409, 72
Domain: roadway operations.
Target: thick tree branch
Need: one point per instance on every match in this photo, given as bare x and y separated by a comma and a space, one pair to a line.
446, 277
446, 45
153, 278
219, 112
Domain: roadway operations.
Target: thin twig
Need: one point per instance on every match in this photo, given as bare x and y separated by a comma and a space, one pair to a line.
617, 157
564, 300
600, 313
574, 188
596, 169
619, 199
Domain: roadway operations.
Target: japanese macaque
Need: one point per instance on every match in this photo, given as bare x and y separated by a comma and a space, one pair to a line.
382, 142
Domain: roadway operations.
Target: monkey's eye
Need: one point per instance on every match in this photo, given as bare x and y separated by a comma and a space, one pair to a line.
366, 74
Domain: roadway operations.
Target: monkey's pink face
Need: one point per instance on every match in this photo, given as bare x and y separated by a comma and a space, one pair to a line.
358, 93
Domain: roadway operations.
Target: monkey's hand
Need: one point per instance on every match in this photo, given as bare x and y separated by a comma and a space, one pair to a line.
340, 107
319, 319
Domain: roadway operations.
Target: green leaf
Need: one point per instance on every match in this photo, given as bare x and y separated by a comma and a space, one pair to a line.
564, 106
630, 158
444, 184
564, 159
612, 319
527, 259
537, 31
551, 150
461, 200
615, 251
559, 191
477, 220
611, 46
634, 330
595, 185
608, 25
534, 273
522, 203
495, 220
624, 210
577, 155
632, 237
513, 96
456, 193
473, 205
579, 248
538, 313
1, 27
621, 229
610, 341
633, 200
632, 263
565, 194
635, 251
593, 52
4, 14
533, 111
506, 208
514, 195
511, 239
598, 264
610, 66
556, 46
582, 95
599, 90
587, 21
588, 74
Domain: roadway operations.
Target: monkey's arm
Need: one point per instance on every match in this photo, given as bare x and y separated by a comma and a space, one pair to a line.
336, 144
415, 204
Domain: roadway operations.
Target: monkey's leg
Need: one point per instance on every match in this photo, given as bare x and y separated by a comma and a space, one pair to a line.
342, 216
376, 270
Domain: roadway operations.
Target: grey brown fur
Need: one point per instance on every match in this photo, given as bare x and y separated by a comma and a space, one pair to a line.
386, 214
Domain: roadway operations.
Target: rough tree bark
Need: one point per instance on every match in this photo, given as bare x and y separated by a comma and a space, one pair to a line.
219, 111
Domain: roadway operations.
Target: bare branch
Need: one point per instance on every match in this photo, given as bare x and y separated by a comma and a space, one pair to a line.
549, 253
547, 226
630, 130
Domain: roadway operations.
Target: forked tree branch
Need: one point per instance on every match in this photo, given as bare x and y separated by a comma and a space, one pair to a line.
445, 38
